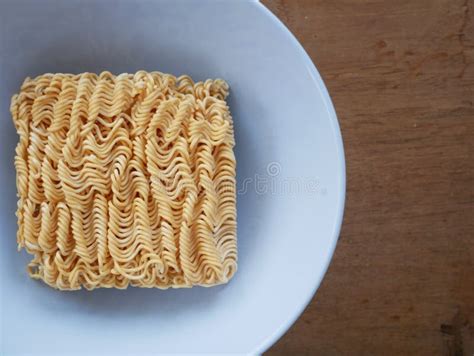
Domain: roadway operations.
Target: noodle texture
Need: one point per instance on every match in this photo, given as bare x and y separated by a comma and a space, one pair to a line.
125, 180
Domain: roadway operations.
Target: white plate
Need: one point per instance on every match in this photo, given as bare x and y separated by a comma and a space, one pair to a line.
290, 164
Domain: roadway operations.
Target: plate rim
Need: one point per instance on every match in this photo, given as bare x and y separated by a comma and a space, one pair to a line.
319, 84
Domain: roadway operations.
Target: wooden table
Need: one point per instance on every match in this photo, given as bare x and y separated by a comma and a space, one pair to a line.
401, 75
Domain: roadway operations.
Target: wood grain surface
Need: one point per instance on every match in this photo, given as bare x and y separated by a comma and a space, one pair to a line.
401, 76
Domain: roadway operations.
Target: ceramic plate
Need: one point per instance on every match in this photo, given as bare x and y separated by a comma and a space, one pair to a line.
291, 178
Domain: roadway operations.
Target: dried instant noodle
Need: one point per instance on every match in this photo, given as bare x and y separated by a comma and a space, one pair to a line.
125, 180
